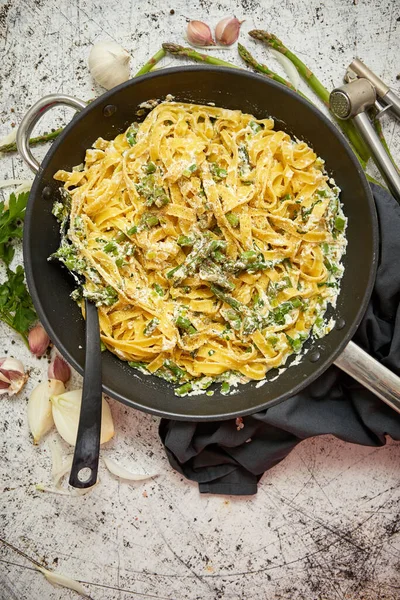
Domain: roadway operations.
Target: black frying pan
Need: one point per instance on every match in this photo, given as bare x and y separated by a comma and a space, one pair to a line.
111, 114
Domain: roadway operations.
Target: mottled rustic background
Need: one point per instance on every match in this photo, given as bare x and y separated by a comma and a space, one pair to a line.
325, 523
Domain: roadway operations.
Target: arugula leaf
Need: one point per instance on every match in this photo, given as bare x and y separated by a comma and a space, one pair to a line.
11, 224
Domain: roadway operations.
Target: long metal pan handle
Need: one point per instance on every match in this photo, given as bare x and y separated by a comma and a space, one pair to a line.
368, 371
33, 115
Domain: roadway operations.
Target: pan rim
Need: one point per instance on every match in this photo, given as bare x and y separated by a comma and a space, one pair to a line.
321, 367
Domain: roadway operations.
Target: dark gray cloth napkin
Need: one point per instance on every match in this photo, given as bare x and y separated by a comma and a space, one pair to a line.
222, 460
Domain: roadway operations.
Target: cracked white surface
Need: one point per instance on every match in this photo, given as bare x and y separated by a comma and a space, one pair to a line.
325, 522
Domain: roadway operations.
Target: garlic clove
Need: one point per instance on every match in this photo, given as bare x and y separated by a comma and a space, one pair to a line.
199, 34
38, 340
40, 418
66, 410
227, 31
109, 64
59, 369
12, 376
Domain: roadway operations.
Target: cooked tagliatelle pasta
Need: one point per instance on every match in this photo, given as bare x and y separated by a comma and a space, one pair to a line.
210, 242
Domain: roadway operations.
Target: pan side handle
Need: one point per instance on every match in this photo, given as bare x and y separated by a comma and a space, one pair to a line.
368, 371
34, 114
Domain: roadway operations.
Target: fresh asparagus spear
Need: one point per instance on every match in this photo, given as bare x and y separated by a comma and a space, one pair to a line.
313, 82
52, 135
150, 63
251, 62
178, 50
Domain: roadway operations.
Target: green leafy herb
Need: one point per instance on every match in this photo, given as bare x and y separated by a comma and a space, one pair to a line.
11, 224
16, 308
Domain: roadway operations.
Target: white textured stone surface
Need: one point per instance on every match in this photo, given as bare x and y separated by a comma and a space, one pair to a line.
325, 523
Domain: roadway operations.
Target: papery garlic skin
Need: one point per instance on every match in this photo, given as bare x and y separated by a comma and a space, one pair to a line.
59, 369
227, 31
109, 64
12, 376
66, 410
38, 340
199, 34
40, 417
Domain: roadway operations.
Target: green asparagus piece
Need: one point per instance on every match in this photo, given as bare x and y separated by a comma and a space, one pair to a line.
151, 63
202, 248
185, 324
52, 135
233, 219
251, 62
177, 50
209, 271
177, 371
313, 82
40, 139
151, 327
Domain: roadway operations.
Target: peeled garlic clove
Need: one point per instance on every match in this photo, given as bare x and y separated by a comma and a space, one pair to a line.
38, 340
12, 376
66, 409
199, 34
59, 369
109, 64
227, 31
40, 418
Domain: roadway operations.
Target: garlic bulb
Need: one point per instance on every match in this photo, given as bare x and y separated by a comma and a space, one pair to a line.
40, 418
109, 64
199, 34
59, 369
66, 409
12, 376
227, 31
38, 340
